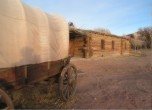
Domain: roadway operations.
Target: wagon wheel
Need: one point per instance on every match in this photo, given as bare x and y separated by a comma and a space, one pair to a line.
67, 82
5, 101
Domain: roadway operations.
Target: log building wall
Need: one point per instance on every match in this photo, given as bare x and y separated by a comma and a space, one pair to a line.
93, 44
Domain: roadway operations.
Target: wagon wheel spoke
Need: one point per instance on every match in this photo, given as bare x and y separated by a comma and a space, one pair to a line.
67, 93
73, 75
69, 75
71, 88
67, 90
65, 80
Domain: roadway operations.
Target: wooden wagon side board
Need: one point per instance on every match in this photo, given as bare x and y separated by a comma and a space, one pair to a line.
19, 76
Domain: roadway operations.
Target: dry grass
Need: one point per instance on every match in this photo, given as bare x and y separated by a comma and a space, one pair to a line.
43, 95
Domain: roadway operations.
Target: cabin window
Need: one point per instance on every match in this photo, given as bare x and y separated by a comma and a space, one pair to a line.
113, 45
102, 44
125, 46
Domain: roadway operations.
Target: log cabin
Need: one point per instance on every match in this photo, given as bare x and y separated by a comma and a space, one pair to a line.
86, 44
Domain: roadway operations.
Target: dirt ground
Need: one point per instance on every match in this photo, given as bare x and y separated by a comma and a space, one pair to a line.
115, 82
103, 83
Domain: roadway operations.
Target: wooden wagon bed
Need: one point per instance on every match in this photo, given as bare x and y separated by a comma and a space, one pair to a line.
19, 76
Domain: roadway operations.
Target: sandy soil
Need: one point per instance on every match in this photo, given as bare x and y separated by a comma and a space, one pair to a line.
116, 82
103, 83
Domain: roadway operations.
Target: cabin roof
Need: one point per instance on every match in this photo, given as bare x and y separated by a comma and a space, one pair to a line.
84, 33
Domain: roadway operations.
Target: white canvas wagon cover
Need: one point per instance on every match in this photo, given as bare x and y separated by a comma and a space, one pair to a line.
30, 36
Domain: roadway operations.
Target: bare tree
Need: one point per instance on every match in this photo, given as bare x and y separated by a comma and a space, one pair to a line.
145, 34
136, 43
102, 30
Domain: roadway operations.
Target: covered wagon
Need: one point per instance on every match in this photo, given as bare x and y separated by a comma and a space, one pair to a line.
33, 46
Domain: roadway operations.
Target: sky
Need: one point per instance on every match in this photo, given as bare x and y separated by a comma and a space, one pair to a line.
119, 16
